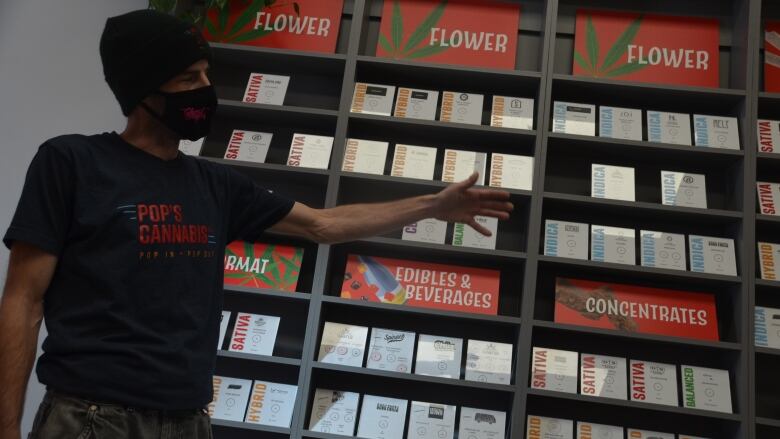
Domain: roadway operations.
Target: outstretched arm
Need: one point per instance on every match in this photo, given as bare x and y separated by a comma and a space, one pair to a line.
459, 202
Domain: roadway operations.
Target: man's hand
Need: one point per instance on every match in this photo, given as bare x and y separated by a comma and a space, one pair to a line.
460, 202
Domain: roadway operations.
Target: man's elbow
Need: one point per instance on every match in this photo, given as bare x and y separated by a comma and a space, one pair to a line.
325, 230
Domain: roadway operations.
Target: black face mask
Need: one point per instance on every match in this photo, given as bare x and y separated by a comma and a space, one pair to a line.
187, 113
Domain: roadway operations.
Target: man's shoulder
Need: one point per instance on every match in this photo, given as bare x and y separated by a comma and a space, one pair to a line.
72, 144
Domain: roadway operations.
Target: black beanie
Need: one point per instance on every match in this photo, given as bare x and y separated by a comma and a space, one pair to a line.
141, 50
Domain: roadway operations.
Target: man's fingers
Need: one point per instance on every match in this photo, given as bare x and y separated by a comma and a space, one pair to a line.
500, 214
479, 228
497, 205
470, 181
491, 194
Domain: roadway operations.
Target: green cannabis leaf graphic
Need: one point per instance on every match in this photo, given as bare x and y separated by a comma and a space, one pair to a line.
393, 44
219, 28
607, 69
281, 273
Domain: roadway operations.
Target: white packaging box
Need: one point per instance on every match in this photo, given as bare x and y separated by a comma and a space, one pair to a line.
613, 182
431, 421
254, 334
768, 136
481, 424
426, 230
343, 344
705, 388
766, 324
367, 156
489, 362
416, 104
589, 430
438, 356
461, 107
413, 162
263, 88
540, 427
224, 319
230, 398
769, 260
310, 151
248, 146
271, 404
565, 239
464, 235
511, 171
511, 112
683, 189
459, 165
716, 131
633, 433
573, 118
613, 244
655, 383
334, 412
191, 147
712, 255
662, 250
620, 123
553, 369
391, 350
768, 197
382, 417
603, 376
373, 99
666, 127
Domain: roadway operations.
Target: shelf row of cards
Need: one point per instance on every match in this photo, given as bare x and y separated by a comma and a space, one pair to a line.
540, 427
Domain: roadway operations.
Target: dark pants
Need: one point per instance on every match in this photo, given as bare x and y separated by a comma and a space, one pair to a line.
61, 416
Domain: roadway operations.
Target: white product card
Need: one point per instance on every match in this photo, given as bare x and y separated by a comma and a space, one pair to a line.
683, 189
669, 127
510, 112
310, 151
464, 235
706, 389
191, 147
248, 146
511, 171
413, 162
489, 362
224, 319
481, 424
431, 421
769, 260
768, 136
603, 376
461, 107
553, 369
271, 404
263, 88
391, 350
613, 244
254, 334
230, 398
459, 165
428, 230
766, 323
343, 344
716, 131
566, 240
768, 197
633, 433
662, 250
613, 182
373, 99
620, 123
655, 383
589, 430
367, 156
540, 427
572, 118
334, 412
416, 104
382, 417
438, 356
712, 255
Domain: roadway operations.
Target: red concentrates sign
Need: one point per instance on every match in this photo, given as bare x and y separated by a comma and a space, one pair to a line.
262, 265
310, 25
400, 282
772, 56
466, 32
636, 309
647, 48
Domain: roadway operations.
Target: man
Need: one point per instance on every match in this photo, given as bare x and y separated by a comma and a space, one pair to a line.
118, 241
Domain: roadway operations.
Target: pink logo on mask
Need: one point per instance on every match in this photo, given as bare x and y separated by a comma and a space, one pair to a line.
195, 114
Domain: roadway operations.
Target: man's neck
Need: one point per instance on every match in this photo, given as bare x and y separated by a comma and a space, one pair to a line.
152, 137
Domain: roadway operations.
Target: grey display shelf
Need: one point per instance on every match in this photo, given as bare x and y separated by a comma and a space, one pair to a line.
318, 102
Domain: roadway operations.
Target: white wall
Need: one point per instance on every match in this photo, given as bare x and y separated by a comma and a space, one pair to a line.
51, 83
